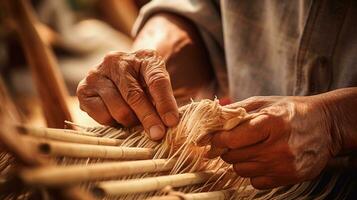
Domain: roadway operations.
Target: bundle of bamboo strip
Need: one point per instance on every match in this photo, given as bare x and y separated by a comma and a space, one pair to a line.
120, 163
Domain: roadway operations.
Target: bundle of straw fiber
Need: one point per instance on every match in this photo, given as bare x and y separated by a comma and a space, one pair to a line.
122, 163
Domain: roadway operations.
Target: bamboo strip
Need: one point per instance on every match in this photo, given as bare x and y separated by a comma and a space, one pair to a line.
26, 155
153, 183
54, 176
95, 151
68, 135
56, 148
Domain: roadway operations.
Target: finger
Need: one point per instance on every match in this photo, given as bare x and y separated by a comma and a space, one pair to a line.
248, 133
253, 103
242, 155
250, 169
90, 102
116, 105
125, 75
143, 108
215, 152
263, 182
95, 108
157, 79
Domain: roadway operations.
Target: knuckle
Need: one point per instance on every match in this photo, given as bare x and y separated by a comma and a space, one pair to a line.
111, 62
158, 76
158, 81
110, 58
93, 76
88, 83
254, 98
84, 91
145, 53
81, 88
271, 119
135, 96
123, 116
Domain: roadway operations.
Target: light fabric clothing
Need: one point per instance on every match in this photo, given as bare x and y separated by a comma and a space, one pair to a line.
273, 47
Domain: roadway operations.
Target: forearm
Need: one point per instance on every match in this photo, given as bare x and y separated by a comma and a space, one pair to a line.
166, 33
178, 41
341, 108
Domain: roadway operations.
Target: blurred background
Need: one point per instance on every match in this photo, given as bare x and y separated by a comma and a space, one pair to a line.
77, 32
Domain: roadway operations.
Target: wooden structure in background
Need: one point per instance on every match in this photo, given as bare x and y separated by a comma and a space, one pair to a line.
11, 111
121, 14
47, 78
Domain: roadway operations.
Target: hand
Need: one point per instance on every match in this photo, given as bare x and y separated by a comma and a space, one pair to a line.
289, 140
127, 87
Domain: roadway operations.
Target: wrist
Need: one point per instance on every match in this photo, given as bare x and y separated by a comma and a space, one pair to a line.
340, 110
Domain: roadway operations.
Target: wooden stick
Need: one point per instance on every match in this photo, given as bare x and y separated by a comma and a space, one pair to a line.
19, 148
8, 108
45, 72
68, 135
153, 183
54, 176
28, 157
90, 151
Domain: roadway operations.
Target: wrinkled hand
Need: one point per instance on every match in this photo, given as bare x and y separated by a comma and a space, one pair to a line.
130, 87
288, 141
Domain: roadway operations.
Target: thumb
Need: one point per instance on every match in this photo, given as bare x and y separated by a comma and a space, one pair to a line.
253, 103
157, 79
248, 133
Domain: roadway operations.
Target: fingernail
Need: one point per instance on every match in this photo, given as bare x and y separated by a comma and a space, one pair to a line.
170, 119
156, 132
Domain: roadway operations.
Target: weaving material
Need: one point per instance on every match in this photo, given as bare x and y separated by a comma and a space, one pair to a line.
122, 163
